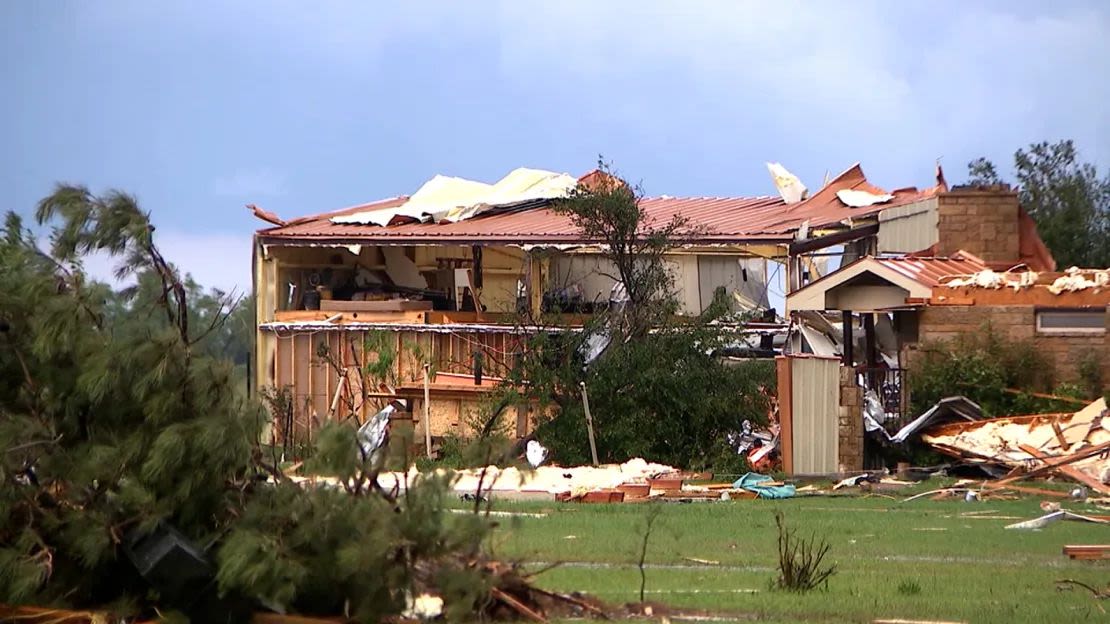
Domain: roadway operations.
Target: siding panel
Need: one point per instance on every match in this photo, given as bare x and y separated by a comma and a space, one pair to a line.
815, 398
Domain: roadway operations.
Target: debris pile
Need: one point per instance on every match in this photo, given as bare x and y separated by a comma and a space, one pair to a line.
1072, 445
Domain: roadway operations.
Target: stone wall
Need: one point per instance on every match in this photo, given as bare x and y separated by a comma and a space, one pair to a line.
983, 222
1064, 351
850, 423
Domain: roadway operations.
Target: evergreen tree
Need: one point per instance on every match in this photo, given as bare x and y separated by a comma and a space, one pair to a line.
115, 419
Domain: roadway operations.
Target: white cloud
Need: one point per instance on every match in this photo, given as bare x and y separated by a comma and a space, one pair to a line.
248, 183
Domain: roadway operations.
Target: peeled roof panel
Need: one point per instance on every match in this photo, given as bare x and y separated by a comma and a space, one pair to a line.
453, 199
723, 219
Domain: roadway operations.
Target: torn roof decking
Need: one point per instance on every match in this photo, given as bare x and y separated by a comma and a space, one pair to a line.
721, 220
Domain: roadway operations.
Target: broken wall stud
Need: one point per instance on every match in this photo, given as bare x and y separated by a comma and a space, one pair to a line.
589, 422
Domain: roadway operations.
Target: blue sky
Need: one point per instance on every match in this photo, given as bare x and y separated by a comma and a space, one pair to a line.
201, 107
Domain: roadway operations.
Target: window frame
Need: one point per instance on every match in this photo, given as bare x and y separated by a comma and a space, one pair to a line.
1053, 331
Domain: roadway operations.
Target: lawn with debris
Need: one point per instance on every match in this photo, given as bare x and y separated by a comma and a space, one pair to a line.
926, 560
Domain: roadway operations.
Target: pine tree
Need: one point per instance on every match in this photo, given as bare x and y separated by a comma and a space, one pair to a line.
116, 420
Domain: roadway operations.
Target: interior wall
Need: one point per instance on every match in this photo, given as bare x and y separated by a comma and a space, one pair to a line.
502, 268
746, 276
696, 277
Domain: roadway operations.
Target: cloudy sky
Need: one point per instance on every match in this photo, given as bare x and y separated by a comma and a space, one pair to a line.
199, 108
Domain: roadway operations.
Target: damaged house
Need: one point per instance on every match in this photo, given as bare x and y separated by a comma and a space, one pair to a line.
448, 276
970, 257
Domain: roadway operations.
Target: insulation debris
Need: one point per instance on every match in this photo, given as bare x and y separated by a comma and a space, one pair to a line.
1068, 444
790, 188
545, 479
855, 198
1080, 279
980, 279
1071, 280
446, 199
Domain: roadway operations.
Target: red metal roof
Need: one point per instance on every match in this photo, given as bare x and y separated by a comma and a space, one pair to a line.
929, 271
725, 219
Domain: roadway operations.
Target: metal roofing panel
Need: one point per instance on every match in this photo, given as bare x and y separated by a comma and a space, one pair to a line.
724, 219
929, 271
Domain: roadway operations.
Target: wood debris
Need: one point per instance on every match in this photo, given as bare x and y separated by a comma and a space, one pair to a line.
1071, 445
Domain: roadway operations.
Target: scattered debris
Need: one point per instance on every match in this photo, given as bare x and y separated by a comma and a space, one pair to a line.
423, 607
759, 445
764, 486
948, 409
536, 453
1075, 279
945, 491
1056, 516
900, 621
374, 433
702, 561
854, 481
854, 198
1087, 551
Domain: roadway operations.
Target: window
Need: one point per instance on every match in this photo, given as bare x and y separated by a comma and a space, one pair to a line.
1071, 321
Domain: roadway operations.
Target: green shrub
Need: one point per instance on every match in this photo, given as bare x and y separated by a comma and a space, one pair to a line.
982, 365
664, 397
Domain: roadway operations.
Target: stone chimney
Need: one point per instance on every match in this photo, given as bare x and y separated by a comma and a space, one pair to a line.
982, 220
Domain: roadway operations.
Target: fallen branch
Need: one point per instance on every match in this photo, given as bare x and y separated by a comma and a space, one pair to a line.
1098, 595
517, 605
572, 600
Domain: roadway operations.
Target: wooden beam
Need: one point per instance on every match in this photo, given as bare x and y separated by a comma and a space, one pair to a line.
839, 238
1069, 471
786, 429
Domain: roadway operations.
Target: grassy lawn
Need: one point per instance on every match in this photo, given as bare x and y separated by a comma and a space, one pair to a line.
919, 560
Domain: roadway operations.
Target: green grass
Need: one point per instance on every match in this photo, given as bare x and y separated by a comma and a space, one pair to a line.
963, 568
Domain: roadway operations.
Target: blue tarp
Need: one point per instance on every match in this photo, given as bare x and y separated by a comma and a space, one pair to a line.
752, 481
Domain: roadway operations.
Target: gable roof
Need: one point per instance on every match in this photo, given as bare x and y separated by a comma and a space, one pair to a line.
918, 276
725, 219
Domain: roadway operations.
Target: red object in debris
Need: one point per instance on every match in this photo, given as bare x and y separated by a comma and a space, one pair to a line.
759, 457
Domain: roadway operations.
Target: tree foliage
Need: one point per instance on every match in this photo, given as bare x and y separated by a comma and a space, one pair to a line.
116, 420
1068, 199
609, 212
982, 365
657, 390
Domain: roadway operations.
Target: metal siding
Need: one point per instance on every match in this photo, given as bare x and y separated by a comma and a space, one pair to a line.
815, 398
909, 228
